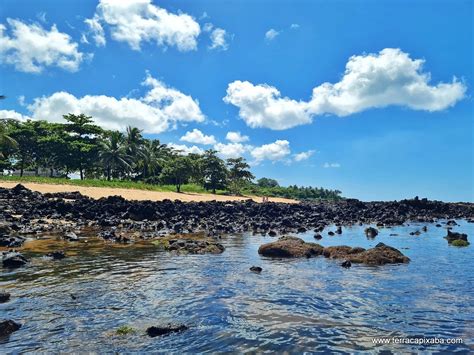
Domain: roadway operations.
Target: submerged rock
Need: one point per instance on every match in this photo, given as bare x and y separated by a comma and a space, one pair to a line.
190, 245
290, 247
158, 331
13, 259
347, 264
71, 236
4, 296
57, 255
8, 326
256, 269
318, 236
371, 232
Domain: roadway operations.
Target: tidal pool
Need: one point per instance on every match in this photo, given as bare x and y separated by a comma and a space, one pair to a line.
293, 305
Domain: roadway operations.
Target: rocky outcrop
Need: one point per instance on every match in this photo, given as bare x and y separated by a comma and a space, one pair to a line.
8, 237
4, 296
256, 269
56, 255
371, 232
380, 255
290, 247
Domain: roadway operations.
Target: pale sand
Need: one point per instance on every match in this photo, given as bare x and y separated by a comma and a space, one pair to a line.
133, 194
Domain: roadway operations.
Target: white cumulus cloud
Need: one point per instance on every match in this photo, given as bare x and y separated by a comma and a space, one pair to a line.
95, 30
303, 155
31, 48
10, 114
138, 21
196, 136
236, 137
161, 109
231, 150
278, 150
271, 34
263, 106
185, 150
378, 80
219, 39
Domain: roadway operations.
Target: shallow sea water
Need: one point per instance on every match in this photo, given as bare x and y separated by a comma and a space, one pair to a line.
299, 305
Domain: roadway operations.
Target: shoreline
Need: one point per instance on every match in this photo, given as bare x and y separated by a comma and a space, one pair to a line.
136, 194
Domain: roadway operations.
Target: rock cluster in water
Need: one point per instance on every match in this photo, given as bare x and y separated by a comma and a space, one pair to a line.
293, 247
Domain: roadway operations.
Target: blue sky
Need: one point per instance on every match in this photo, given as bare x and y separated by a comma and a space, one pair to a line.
387, 126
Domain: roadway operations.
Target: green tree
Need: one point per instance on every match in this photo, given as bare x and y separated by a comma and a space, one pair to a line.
267, 182
7, 142
82, 141
239, 174
113, 154
153, 156
214, 171
177, 171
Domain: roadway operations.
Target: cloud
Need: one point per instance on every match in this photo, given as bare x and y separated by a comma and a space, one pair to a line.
331, 165
294, 26
10, 114
278, 150
271, 34
218, 39
32, 48
95, 30
135, 22
185, 150
231, 150
263, 106
387, 78
161, 109
236, 137
196, 136
303, 155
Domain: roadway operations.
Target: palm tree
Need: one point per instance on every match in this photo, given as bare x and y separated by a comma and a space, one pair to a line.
152, 157
134, 139
113, 154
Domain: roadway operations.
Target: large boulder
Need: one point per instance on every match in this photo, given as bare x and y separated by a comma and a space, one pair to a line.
290, 247
8, 326
341, 251
371, 232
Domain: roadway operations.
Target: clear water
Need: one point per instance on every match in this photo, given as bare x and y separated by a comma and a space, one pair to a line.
293, 305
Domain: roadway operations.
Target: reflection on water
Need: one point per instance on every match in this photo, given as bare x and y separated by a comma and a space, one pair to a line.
293, 305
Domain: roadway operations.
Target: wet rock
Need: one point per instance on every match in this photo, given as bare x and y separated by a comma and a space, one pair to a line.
415, 233
424, 229
331, 233
71, 236
256, 269
19, 188
11, 241
7, 327
451, 223
347, 264
57, 255
13, 260
380, 255
339, 230
4, 296
272, 233
371, 232
318, 236
341, 251
452, 236
159, 331
290, 247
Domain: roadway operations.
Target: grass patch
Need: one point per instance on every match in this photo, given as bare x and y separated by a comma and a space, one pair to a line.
190, 188
125, 330
460, 243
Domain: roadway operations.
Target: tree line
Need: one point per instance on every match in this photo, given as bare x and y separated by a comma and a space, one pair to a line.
78, 145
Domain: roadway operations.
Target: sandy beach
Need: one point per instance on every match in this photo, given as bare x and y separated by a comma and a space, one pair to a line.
134, 194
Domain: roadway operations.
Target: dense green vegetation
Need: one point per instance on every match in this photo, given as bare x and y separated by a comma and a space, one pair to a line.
112, 158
